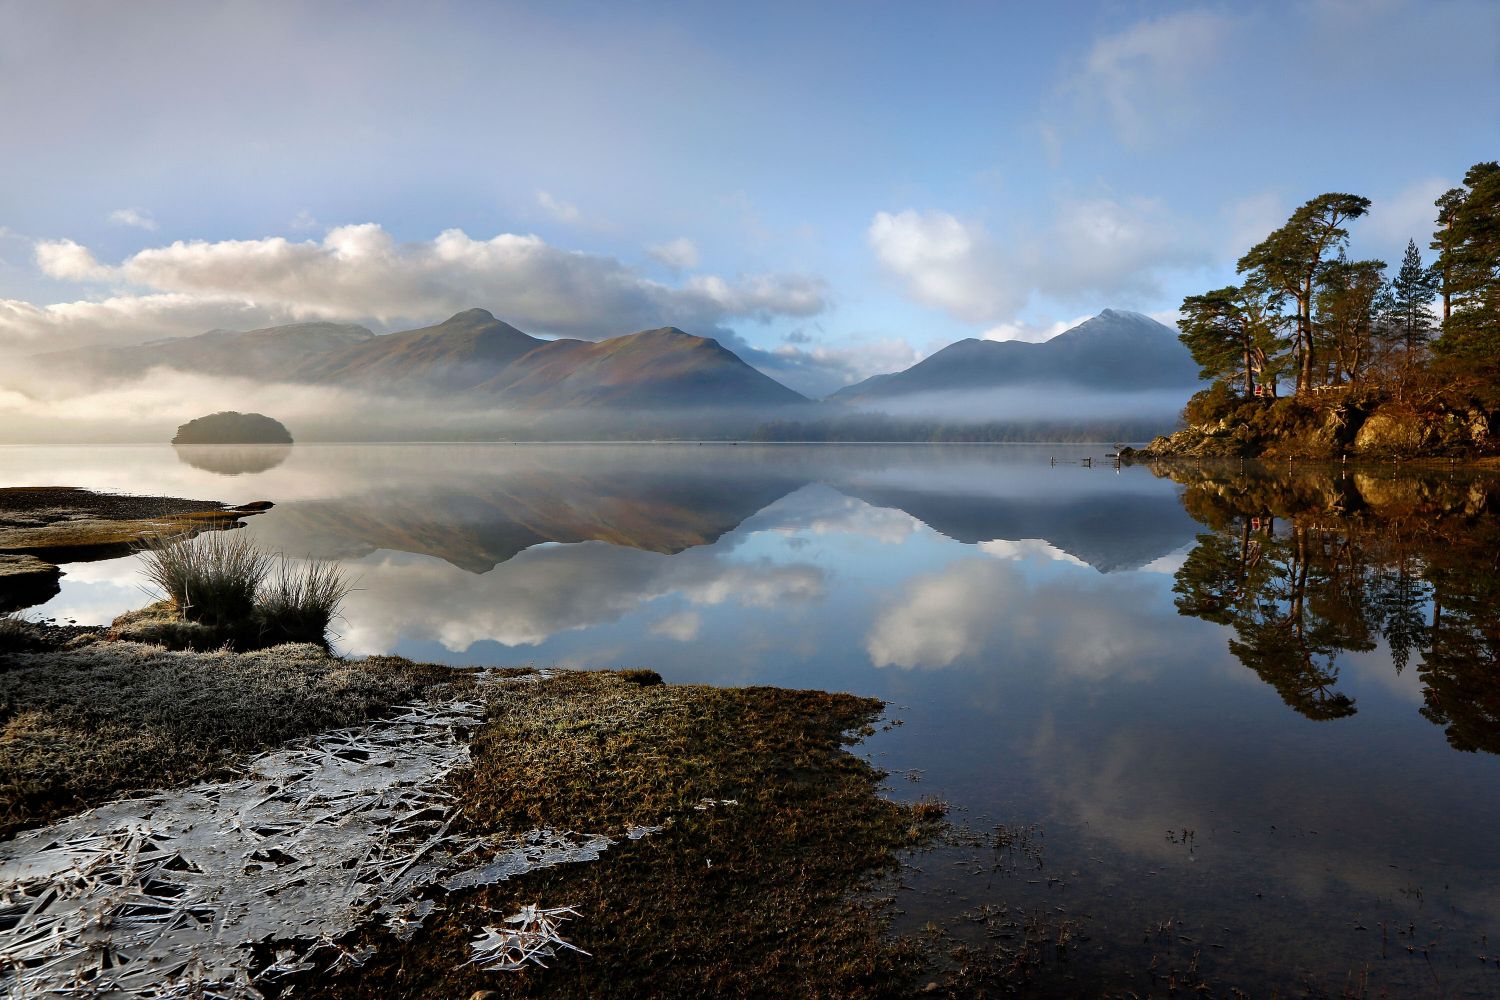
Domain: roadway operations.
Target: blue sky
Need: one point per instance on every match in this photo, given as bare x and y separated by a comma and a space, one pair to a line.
834, 189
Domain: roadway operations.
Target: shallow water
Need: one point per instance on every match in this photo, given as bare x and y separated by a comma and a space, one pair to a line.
1184, 695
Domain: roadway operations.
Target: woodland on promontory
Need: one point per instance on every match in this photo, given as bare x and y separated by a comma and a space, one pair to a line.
1318, 355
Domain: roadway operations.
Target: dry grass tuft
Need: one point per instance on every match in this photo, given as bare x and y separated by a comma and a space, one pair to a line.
213, 578
298, 603
15, 632
929, 810
224, 588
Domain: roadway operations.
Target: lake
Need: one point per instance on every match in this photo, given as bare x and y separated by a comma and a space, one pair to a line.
1216, 724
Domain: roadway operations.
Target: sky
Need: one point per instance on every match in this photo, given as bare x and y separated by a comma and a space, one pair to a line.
831, 189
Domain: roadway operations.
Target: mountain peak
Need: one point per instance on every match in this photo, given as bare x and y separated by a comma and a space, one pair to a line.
475, 315
1117, 350
664, 332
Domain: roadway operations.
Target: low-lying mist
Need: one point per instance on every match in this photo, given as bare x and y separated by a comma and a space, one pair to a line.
36, 406
1037, 403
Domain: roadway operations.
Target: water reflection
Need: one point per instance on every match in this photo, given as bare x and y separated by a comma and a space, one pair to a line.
1282, 665
1309, 568
233, 459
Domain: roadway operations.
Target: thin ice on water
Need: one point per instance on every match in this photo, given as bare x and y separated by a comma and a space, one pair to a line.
528, 936
166, 896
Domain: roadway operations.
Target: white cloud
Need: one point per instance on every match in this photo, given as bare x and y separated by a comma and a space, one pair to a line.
680, 254
990, 608
683, 626
136, 218
360, 272
817, 370
947, 263
69, 261
1021, 549
1033, 333
1096, 250
125, 319
1409, 214
1145, 76
562, 211
552, 589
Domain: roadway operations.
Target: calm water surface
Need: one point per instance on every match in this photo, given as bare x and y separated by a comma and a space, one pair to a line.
1240, 724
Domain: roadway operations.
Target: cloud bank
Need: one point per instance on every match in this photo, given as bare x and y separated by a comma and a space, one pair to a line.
360, 272
1093, 249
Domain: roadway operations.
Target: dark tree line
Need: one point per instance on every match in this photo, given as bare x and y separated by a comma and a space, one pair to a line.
1306, 317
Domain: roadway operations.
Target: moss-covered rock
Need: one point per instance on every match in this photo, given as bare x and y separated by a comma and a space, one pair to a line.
1392, 430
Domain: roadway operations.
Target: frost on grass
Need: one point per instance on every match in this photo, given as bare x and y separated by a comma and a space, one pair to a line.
170, 895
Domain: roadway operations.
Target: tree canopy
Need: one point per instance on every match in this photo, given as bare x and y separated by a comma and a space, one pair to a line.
1307, 312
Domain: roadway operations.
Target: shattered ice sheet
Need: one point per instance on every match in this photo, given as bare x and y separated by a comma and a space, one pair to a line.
165, 896
529, 936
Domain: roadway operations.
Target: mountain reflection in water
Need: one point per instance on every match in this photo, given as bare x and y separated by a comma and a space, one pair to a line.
1227, 703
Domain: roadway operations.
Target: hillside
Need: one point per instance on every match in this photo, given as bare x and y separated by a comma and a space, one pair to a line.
471, 357
268, 354
663, 368
1115, 351
456, 355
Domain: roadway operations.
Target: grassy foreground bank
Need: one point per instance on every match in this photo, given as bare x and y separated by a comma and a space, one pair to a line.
771, 833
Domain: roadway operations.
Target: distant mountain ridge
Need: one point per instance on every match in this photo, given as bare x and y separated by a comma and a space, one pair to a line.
1117, 351
485, 360
269, 353
477, 360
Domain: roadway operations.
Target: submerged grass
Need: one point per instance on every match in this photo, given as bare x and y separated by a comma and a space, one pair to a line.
756, 885
81, 726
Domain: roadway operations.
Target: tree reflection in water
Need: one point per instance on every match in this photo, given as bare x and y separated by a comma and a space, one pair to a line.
1304, 566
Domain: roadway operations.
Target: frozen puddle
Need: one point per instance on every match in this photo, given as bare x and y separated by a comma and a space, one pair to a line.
166, 896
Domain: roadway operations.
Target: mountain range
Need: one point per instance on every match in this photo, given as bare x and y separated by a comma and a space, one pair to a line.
472, 355
1116, 351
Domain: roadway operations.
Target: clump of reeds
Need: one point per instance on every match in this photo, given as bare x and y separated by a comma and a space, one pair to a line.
225, 580
297, 603
212, 578
15, 631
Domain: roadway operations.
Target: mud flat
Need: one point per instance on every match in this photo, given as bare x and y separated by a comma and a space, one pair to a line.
43, 526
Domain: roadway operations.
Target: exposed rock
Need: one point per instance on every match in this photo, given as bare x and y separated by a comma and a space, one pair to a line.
1391, 431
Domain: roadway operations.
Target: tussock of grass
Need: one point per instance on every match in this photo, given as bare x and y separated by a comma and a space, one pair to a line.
15, 632
298, 603
80, 726
223, 588
212, 578
766, 897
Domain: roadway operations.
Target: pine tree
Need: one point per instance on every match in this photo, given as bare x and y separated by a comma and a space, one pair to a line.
1233, 333
1412, 292
1290, 258
1470, 260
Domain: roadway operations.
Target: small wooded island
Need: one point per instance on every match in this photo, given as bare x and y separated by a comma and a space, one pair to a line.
231, 427
1406, 367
